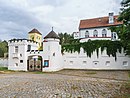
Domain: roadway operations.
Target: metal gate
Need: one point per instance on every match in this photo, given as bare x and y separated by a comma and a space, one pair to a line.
34, 65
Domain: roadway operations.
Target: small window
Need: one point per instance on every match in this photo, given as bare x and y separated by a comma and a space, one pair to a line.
107, 63
71, 62
86, 34
20, 55
125, 63
95, 33
114, 36
84, 62
16, 64
95, 62
29, 47
46, 63
16, 49
21, 61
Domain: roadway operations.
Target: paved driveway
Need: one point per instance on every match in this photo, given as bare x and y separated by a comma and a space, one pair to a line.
62, 84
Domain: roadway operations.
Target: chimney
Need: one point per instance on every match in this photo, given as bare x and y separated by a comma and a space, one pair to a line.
111, 18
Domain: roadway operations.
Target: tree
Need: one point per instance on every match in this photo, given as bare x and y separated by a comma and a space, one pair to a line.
67, 38
123, 30
3, 48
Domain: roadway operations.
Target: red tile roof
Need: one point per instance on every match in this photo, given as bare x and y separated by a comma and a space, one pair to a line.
98, 22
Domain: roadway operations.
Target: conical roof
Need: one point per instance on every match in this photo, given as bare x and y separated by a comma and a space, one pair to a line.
35, 31
52, 34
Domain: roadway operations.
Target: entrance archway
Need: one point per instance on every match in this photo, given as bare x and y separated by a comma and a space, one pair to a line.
34, 63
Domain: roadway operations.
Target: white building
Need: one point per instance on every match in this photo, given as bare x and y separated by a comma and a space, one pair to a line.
23, 53
98, 28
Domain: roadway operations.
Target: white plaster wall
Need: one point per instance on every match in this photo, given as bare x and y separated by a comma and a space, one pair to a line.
21, 55
3, 62
50, 48
77, 61
82, 34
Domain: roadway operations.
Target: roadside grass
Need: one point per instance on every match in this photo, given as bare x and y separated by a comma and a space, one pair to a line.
4, 70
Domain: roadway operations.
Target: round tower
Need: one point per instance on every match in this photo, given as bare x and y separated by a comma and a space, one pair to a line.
52, 52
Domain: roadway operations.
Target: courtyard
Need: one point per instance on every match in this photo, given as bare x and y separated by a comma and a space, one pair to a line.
63, 84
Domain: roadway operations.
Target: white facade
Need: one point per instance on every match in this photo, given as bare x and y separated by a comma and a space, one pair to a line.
57, 61
83, 34
18, 53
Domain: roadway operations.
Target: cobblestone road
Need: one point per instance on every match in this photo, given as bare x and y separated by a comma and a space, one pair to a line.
29, 85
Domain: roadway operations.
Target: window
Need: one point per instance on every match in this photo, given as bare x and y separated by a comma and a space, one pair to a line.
16, 49
95, 33
113, 35
20, 55
84, 62
104, 33
125, 63
46, 63
107, 63
16, 64
95, 62
71, 62
29, 47
86, 34
21, 61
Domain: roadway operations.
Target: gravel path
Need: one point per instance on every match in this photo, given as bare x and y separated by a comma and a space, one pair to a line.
57, 85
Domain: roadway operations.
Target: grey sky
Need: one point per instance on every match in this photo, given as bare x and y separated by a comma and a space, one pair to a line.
18, 17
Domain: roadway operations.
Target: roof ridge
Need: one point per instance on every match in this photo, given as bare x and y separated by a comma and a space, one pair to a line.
98, 17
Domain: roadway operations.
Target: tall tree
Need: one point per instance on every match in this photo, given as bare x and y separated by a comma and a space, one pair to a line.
123, 30
3, 48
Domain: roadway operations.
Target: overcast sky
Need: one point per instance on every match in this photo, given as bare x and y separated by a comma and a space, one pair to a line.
18, 17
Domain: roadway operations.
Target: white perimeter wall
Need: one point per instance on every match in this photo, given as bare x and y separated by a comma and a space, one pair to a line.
3, 62
81, 61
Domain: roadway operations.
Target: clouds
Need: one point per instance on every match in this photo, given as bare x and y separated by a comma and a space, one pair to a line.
18, 17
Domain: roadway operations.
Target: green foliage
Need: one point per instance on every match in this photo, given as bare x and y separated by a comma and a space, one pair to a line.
3, 48
123, 30
3, 68
67, 38
111, 47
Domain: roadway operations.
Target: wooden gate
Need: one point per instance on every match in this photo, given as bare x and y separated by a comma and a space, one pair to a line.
34, 65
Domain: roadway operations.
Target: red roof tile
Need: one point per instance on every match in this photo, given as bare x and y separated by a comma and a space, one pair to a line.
98, 22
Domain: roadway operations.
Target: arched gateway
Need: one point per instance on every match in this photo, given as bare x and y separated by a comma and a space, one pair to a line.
34, 63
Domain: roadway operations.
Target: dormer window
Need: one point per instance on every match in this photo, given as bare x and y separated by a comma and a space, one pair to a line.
95, 33
104, 33
86, 34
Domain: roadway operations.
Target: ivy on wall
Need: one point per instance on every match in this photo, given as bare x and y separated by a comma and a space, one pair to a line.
111, 47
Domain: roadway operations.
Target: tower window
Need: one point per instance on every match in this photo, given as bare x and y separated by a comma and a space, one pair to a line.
16, 49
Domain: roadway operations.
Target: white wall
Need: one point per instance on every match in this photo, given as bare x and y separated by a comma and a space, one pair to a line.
21, 55
52, 52
3, 62
81, 61
82, 34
